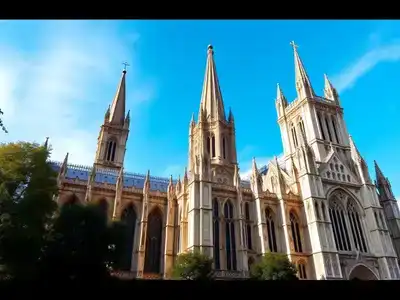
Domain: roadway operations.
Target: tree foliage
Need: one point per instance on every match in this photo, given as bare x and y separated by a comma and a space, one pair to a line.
27, 188
193, 266
82, 244
274, 267
1, 123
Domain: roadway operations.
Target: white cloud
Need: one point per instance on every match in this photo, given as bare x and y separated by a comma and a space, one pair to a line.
381, 53
56, 92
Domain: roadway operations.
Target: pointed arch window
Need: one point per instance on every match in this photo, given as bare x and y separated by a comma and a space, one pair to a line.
356, 227
152, 262
111, 147
213, 146
223, 147
248, 226
327, 127
302, 129
295, 226
340, 232
301, 266
294, 135
230, 240
178, 231
216, 220
209, 145
320, 126
272, 245
335, 129
129, 218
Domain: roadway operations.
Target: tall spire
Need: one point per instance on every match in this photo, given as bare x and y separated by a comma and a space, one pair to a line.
379, 173
280, 96
303, 83
117, 112
330, 91
211, 97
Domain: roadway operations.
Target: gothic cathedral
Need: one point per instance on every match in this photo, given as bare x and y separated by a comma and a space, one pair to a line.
317, 204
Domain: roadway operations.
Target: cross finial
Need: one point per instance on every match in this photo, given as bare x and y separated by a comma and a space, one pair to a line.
125, 65
294, 45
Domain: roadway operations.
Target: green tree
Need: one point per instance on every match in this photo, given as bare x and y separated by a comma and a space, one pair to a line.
274, 267
82, 244
193, 266
1, 123
27, 188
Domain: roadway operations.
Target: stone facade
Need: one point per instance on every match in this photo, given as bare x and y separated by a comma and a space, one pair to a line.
316, 203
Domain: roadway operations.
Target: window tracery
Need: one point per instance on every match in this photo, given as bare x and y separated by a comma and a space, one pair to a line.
295, 227
272, 245
230, 240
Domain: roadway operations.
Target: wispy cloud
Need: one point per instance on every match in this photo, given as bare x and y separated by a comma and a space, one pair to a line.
57, 90
380, 53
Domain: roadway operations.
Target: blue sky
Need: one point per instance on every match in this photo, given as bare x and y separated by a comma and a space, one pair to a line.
58, 77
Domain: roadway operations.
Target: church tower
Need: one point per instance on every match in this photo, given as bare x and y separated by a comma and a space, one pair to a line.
212, 159
341, 205
113, 136
390, 207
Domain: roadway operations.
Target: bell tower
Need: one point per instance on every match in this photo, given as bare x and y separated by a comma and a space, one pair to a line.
213, 136
113, 136
212, 159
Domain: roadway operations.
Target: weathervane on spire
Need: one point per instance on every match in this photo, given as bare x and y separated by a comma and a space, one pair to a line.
125, 65
294, 45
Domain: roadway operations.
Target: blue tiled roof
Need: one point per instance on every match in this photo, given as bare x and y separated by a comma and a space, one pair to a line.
110, 177
263, 170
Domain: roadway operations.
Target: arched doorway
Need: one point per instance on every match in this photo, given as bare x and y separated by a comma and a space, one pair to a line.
361, 272
152, 262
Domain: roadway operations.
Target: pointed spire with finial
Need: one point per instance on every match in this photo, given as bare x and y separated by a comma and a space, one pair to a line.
378, 171
303, 83
185, 176
192, 121
280, 97
330, 91
146, 186
64, 166
127, 119
120, 179
117, 111
231, 119
178, 185
211, 97
254, 169
170, 188
107, 114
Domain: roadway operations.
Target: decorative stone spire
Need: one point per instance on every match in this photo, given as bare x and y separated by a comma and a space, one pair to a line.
280, 97
330, 91
303, 83
211, 97
117, 111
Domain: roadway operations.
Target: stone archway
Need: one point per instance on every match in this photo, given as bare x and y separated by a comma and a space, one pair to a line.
361, 272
